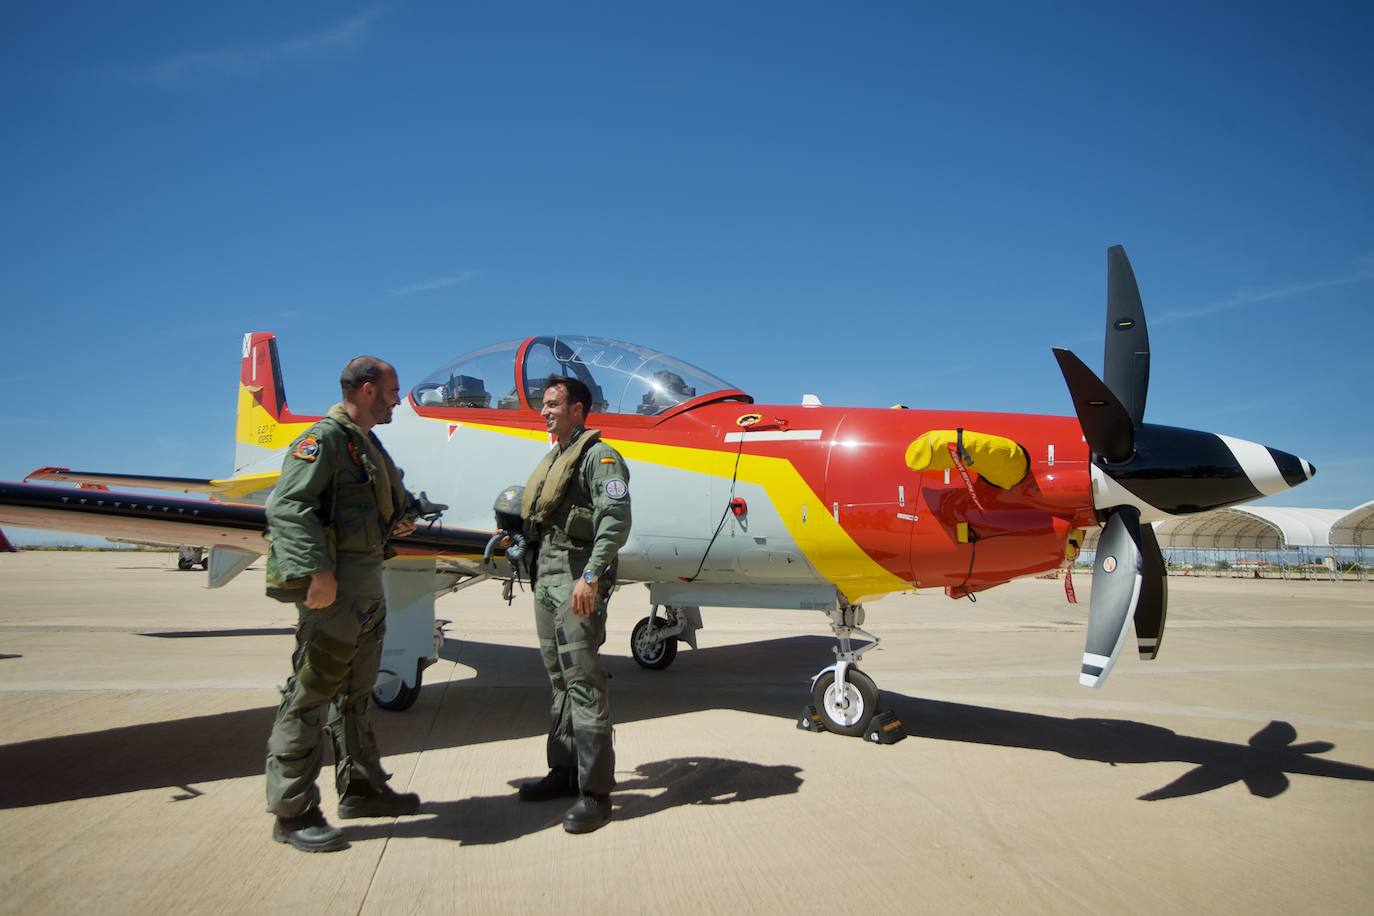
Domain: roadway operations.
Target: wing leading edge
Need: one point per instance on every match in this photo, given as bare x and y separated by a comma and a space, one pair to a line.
175, 520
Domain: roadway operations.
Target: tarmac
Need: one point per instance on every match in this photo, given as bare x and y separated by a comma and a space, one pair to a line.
1235, 774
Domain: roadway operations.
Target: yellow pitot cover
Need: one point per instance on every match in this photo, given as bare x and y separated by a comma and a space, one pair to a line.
997, 459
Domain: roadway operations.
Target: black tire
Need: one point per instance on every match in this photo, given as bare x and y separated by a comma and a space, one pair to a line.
184, 564
404, 697
863, 700
656, 658
205, 563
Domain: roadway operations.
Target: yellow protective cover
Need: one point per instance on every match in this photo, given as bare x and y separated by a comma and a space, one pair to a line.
997, 459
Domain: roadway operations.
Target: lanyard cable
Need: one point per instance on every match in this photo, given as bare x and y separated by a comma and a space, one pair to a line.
720, 525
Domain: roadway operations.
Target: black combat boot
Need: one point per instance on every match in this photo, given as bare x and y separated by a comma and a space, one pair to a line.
309, 832
589, 813
383, 802
559, 783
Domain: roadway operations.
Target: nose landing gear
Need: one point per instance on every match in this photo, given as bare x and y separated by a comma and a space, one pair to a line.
845, 699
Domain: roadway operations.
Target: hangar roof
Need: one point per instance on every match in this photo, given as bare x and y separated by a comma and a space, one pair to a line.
1261, 528
1250, 528
1355, 528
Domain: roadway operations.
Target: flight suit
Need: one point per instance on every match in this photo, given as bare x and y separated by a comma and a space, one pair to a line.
584, 531
326, 493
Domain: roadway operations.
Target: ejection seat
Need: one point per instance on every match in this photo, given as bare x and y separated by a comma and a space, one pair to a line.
668, 390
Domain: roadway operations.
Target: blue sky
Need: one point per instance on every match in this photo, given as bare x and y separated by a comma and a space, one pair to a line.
872, 202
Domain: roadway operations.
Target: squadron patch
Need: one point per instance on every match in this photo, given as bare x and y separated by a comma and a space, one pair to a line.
616, 488
308, 449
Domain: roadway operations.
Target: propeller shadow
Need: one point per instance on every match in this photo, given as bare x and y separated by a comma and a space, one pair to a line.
507, 700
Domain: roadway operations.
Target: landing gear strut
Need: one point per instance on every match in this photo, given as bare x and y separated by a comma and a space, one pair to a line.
653, 642
845, 698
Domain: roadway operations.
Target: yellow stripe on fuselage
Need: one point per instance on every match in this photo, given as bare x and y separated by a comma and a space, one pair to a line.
258, 427
826, 545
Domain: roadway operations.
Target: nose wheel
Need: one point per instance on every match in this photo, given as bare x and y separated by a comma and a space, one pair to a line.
845, 699
845, 708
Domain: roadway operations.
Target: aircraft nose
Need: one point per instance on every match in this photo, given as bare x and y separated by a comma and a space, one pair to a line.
1270, 470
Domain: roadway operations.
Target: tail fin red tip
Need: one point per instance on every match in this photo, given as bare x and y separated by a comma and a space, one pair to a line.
261, 372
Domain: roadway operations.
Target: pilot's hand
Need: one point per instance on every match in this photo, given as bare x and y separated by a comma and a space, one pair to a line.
403, 528
324, 589
505, 542
583, 599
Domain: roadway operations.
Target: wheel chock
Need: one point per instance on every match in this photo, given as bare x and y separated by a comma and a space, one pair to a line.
810, 720
885, 728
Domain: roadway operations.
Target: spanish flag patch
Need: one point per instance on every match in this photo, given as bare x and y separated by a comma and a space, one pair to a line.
608, 460
308, 449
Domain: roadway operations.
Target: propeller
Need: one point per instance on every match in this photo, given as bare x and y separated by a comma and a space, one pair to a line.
1130, 582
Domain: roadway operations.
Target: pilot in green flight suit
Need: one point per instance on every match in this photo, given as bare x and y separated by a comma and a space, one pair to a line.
339, 499
577, 506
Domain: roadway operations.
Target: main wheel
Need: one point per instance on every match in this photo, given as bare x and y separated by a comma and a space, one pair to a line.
650, 654
848, 713
392, 694
184, 564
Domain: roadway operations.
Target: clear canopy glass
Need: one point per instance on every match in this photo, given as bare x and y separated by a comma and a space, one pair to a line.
624, 378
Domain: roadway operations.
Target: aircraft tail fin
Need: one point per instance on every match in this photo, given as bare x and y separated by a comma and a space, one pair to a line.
265, 425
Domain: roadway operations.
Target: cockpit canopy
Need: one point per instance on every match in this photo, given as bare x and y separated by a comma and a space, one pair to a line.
623, 378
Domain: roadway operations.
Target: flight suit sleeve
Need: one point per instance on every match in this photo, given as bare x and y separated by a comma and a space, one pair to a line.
608, 483
295, 507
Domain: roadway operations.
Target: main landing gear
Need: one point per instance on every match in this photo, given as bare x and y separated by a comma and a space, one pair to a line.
653, 642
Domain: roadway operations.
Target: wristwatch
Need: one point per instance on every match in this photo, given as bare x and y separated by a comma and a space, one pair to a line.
588, 577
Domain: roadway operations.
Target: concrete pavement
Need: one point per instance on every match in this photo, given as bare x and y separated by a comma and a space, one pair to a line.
1233, 775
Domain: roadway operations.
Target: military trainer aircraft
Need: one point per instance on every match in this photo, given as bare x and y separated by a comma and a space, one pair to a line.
739, 504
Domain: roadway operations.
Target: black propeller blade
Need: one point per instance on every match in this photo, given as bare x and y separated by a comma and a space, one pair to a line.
1154, 596
1126, 354
1106, 424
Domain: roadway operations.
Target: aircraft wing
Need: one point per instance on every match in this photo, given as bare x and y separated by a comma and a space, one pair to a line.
176, 521
231, 489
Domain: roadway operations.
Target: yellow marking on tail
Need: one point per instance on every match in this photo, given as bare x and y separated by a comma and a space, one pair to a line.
257, 427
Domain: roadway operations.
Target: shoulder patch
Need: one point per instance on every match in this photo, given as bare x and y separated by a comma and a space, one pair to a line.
308, 449
616, 488
608, 460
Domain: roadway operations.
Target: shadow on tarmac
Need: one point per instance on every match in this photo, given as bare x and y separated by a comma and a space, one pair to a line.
508, 699
656, 787
207, 634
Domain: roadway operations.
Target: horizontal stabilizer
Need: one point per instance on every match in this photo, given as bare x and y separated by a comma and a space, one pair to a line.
232, 489
226, 563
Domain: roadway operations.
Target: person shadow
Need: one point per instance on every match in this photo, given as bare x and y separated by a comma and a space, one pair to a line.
655, 787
